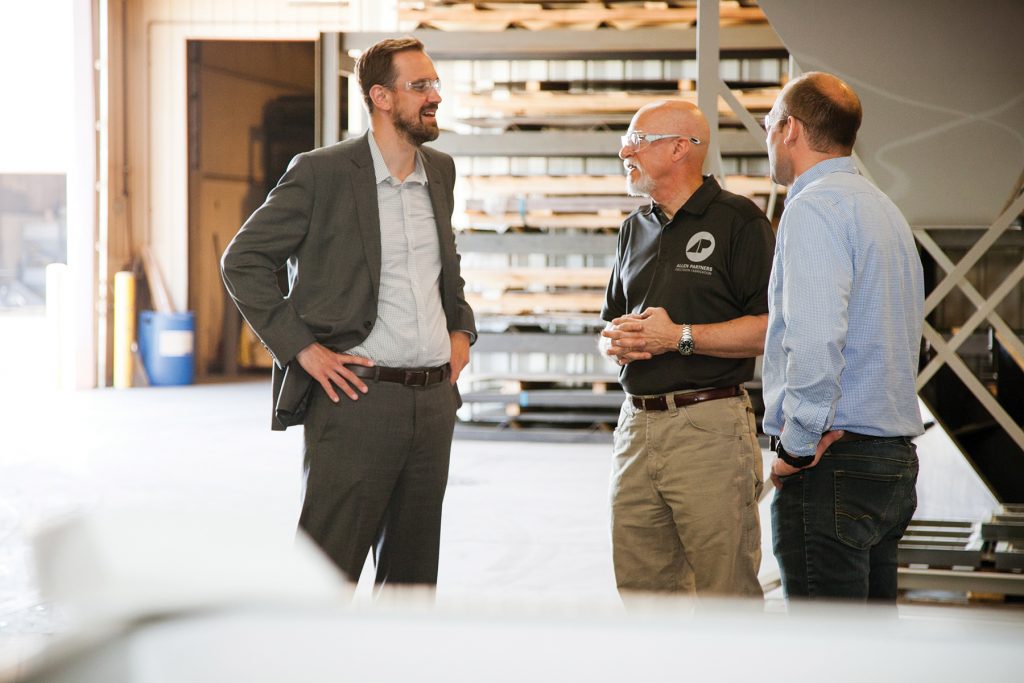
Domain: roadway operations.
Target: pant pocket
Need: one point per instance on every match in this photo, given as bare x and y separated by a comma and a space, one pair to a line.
863, 506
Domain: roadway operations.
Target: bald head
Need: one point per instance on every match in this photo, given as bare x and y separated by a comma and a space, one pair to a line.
676, 117
829, 109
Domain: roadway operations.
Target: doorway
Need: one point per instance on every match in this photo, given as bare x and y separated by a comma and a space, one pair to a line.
250, 110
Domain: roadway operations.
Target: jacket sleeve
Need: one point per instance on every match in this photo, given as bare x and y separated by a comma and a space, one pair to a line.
261, 248
464, 319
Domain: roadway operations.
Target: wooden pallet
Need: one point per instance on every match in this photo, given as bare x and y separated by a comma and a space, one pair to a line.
569, 185
519, 303
474, 220
557, 205
538, 16
527, 278
542, 104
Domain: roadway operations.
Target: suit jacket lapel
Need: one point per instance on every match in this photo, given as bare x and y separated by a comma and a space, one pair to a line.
443, 221
442, 212
364, 187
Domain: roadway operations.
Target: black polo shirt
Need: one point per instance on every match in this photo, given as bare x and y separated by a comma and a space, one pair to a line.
709, 264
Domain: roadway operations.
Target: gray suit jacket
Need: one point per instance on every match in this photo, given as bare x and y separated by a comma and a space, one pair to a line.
321, 221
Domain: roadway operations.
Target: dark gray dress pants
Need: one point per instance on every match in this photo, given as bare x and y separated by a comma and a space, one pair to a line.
375, 476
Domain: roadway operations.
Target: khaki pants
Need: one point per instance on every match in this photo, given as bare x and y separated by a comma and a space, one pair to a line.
684, 490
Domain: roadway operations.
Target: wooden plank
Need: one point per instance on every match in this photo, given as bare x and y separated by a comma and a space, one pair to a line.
547, 243
521, 278
490, 186
158, 292
546, 103
538, 219
493, 205
534, 16
540, 302
486, 186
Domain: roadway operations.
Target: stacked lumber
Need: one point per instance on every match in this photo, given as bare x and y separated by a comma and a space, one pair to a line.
499, 15
546, 203
525, 291
544, 107
540, 246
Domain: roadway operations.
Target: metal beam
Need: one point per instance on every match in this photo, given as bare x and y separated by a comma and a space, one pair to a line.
469, 431
551, 244
535, 342
998, 227
1007, 334
328, 90
733, 142
952, 580
641, 43
975, 386
708, 80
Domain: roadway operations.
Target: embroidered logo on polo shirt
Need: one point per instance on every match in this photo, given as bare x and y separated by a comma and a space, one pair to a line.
698, 249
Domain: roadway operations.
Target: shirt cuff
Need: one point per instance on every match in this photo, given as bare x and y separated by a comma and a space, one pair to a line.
799, 442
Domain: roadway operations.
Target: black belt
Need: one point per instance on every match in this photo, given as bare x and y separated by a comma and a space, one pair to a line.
685, 399
847, 436
410, 377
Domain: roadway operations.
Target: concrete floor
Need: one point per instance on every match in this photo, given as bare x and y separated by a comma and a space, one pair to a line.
521, 519
518, 517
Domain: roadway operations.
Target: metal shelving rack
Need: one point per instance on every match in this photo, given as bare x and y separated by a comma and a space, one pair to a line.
537, 349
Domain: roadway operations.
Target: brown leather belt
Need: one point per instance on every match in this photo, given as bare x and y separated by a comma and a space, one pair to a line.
410, 377
685, 399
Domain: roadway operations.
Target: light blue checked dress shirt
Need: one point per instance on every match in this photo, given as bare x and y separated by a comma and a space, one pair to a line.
845, 311
411, 329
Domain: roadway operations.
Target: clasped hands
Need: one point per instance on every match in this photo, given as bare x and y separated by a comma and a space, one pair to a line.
329, 368
640, 336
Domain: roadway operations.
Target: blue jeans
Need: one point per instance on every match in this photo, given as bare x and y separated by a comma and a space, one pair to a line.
836, 526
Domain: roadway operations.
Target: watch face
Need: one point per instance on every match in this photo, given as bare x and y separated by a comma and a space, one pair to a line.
685, 343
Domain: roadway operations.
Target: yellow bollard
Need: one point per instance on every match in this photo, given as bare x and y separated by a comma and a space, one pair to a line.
124, 328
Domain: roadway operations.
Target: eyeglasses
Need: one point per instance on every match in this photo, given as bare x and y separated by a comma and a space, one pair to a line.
424, 85
638, 138
768, 124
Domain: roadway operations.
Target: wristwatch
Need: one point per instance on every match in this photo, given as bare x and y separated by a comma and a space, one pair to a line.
685, 343
797, 461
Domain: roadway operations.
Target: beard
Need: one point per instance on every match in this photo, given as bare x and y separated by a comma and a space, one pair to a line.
415, 129
641, 187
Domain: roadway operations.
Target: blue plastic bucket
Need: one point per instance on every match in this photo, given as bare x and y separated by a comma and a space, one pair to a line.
167, 347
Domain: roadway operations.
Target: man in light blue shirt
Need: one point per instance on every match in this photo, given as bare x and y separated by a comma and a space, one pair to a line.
846, 307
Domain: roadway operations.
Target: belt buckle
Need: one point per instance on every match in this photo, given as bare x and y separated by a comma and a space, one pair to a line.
773, 443
412, 381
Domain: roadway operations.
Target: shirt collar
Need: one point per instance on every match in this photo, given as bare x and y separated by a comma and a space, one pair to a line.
697, 204
820, 170
381, 172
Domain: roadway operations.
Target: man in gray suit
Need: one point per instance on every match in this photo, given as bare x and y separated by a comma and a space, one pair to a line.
375, 310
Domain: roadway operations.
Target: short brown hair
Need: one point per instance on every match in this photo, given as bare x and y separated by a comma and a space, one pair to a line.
376, 66
831, 122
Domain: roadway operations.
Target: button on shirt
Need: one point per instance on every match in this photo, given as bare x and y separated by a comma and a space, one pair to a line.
411, 329
846, 308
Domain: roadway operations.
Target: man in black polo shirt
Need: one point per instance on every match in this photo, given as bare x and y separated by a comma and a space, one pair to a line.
687, 311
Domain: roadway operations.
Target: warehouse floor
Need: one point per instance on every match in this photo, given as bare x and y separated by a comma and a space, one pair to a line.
530, 517
525, 519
